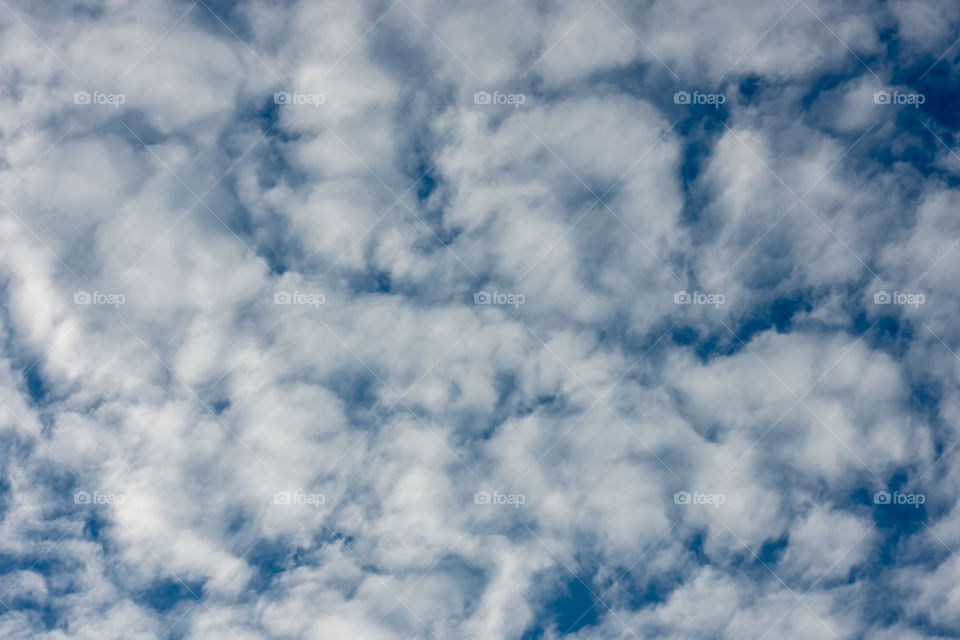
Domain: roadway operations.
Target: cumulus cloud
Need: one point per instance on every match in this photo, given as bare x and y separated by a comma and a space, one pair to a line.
413, 319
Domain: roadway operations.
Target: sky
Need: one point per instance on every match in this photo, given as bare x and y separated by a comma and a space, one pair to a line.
429, 319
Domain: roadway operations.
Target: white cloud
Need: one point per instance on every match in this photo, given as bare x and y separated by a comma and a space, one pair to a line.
387, 405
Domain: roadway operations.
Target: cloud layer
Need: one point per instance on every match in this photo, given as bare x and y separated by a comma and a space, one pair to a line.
420, 319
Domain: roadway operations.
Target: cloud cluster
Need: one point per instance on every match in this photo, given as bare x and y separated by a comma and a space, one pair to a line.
418, 319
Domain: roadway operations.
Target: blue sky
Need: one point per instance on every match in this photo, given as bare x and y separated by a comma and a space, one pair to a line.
419, 319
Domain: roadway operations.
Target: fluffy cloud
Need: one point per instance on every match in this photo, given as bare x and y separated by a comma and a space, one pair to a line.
411, 319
